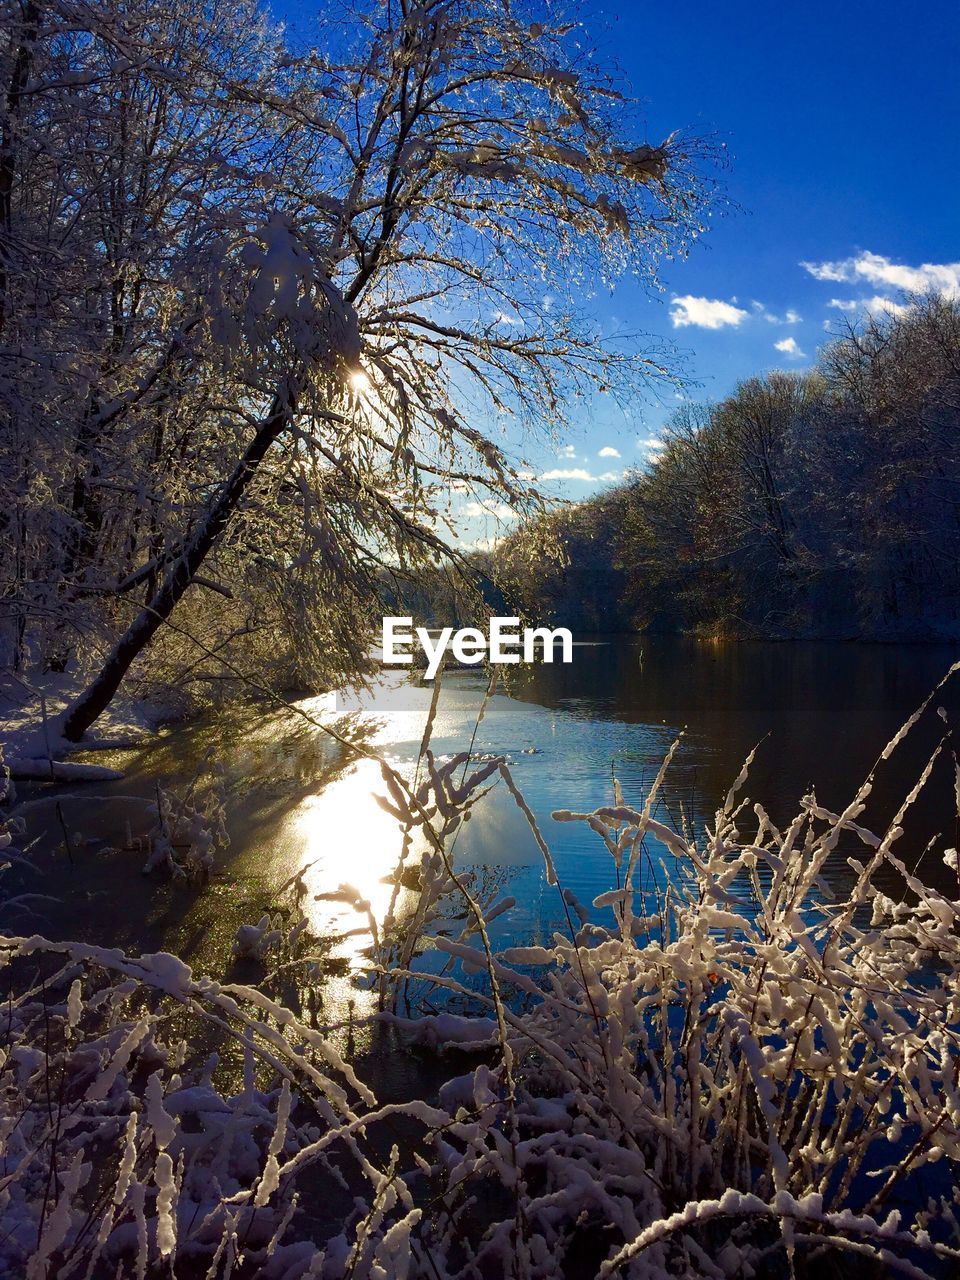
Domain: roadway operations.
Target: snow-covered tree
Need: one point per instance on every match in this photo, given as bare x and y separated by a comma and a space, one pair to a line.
263, 310
822, 503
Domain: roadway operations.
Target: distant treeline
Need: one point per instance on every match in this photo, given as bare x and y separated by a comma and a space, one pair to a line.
815, 504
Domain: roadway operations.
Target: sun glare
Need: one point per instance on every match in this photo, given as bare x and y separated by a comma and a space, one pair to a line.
350, 841
359, 381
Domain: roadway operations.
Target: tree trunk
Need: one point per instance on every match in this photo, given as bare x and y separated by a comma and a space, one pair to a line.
99, 693
8, 142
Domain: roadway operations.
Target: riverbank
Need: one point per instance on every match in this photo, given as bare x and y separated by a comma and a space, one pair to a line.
31, 713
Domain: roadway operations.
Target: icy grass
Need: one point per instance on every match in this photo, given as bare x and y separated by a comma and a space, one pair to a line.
735, 1076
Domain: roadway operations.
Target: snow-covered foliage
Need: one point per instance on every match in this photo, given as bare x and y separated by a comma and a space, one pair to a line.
254, 941
189, 829
119, 1150
716, 1069
732, 1073
249, 305
16, 906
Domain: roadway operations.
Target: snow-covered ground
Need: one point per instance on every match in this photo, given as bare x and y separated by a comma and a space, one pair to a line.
31, 713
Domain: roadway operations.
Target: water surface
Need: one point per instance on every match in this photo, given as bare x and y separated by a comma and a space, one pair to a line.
821, 713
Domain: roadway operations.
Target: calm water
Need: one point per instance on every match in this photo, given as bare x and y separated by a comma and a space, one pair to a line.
822, 711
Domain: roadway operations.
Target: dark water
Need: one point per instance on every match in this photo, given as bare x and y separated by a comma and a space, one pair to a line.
821, 713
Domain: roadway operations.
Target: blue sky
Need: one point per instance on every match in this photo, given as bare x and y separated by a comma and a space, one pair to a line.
842, 121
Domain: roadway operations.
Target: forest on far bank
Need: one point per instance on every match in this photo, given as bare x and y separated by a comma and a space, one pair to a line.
821, 504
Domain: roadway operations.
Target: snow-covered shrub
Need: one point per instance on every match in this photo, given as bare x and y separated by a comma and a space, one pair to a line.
734, 1075
8, 792
189, 827
254, 941
22, 904
282, 955
126, 1149
715, 1070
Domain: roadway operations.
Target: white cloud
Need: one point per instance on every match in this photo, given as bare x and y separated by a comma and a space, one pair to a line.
572, 473
789, 316
875, 269
790, 348
608, 451
838, 271
871, 305
498, 509
582, 475
567, 451
885, 304
705, 313
650, 442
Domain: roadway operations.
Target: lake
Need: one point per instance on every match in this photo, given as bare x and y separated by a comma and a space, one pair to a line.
821, 713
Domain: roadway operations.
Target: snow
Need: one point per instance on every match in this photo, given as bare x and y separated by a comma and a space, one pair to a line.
253, 941
441, 1031
166, 1200
30, 717
159, 1120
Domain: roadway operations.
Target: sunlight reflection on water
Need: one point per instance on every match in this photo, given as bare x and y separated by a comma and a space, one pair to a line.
348, 840
294, 801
